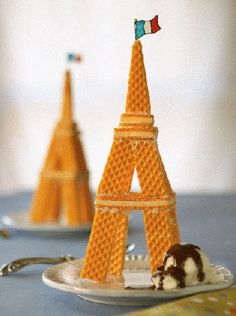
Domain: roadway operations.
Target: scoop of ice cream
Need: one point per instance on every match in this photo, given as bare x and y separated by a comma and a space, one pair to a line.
185, 265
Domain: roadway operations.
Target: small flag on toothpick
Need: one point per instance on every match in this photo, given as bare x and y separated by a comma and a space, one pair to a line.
74, 57
146, 27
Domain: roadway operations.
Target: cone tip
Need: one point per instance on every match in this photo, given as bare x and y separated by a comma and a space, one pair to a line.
67, 102
137, 43
67, 74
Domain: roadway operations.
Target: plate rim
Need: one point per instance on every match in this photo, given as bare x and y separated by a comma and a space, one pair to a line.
122, 293
8, 220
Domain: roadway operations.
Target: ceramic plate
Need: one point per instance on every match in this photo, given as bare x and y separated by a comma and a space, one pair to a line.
20, 221
137, 277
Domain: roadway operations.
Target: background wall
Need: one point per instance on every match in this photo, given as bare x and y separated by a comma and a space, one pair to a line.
191, 70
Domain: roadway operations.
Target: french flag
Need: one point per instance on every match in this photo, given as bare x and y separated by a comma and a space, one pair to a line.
146, 27
71, 57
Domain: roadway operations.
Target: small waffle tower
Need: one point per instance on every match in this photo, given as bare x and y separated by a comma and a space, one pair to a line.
63, 183
134, 148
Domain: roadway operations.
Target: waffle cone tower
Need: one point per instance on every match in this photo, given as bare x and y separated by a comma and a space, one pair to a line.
134, 148
64, 183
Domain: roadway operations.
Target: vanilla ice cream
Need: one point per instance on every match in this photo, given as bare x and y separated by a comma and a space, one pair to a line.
185, 265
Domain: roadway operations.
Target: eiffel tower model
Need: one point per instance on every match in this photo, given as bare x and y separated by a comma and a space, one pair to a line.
64, 179
134, 148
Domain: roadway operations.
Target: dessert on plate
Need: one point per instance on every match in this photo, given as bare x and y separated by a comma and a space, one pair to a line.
63, 193
135, 148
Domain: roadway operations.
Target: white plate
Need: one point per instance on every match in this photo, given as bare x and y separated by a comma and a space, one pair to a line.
65, 277
20, 221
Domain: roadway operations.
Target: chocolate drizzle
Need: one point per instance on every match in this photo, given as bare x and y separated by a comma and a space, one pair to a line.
152, 287
180, 253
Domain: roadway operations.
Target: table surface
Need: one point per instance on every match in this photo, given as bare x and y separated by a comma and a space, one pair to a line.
206, 220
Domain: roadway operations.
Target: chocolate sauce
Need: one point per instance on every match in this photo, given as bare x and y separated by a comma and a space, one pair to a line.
152, 287
180, 254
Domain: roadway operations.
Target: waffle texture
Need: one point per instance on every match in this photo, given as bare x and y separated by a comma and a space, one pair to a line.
96, 262
117, 176
161, 232
117, 254
134, 148
63, 182
137, 100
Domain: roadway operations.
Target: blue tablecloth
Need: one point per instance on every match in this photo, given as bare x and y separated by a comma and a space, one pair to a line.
207, 220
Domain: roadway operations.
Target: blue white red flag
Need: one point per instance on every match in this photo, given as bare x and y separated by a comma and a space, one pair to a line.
146, 27
73, 58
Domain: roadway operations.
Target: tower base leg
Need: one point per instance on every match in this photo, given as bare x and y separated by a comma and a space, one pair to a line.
100, 244
159, 227
117, 259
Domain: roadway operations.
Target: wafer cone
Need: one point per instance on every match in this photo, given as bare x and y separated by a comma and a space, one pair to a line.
63, 184
134, 148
